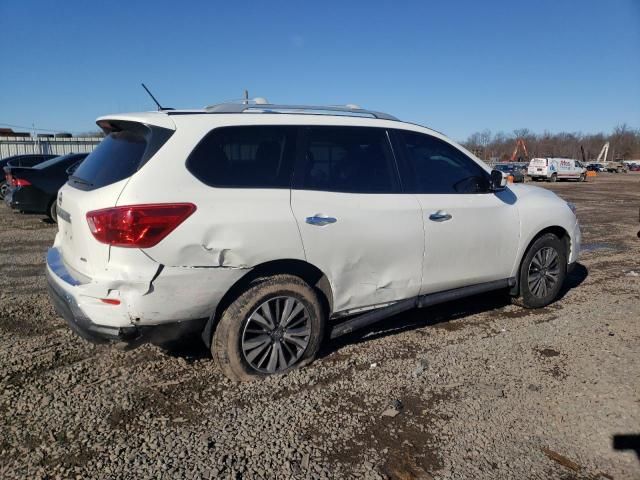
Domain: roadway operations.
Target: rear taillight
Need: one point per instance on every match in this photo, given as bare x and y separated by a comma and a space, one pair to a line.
137, 226
20, 182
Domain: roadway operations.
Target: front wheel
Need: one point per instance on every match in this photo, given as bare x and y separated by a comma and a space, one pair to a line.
542, 272
554, 178
275, 326
583, 177
4, 188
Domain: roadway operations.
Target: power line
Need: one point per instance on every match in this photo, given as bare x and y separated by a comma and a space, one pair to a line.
22, 127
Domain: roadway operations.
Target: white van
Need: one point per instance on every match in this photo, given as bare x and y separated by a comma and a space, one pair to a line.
554, 169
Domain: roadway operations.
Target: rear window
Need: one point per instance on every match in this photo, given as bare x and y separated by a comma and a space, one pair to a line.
117, 157
245, 157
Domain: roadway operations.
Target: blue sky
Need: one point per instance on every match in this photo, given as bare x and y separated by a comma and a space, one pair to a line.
456, 66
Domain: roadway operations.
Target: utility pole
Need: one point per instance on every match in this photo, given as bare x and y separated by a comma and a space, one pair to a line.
246, 97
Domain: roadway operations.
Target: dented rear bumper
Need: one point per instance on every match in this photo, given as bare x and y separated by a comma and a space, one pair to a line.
167, 302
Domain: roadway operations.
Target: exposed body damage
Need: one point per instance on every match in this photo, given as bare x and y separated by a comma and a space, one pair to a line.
151, 293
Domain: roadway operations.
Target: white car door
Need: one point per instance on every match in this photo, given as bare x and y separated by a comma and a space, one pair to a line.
356, 226
471, 234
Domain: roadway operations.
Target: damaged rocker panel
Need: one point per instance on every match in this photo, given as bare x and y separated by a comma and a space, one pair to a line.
427, 300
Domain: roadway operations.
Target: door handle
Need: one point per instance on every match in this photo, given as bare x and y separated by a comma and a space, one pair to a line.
320, 220
440, 216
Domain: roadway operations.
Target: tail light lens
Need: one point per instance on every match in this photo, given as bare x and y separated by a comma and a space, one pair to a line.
19, 182
137, 226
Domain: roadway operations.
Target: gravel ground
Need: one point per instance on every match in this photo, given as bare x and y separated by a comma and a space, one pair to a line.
475, 389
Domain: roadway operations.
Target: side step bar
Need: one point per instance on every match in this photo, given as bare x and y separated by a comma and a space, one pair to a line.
369, 318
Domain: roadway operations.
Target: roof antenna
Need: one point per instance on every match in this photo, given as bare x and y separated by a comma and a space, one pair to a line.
160, 107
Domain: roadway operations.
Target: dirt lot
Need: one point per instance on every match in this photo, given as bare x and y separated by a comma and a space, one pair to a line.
479, 389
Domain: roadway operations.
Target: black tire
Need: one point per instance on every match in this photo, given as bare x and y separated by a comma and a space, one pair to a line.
583, 177
528, 297
553, 178
52, 212
3, 189
230, 335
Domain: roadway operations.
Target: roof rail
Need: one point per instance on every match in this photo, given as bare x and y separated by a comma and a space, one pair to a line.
347, 110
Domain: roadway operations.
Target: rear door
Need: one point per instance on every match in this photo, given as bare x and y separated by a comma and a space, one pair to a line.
538, 167
471, 234
97, 184
356, 224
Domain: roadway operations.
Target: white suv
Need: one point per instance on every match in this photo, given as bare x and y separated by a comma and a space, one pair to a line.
269, 228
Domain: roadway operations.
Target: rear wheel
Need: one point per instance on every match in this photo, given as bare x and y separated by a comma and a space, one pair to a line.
52, 212
275, 326
4, 188
542, 272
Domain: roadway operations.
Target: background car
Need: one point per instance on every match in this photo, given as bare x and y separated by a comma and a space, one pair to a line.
27, 160
595, 167
512, 169
34, 189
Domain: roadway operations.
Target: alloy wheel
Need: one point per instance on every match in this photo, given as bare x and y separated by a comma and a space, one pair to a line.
276, 334
544, 272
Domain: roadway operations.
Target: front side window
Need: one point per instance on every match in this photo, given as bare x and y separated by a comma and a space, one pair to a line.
435, 166
245, 157
348, 159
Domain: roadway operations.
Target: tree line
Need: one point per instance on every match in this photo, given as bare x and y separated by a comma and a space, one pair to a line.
624, 144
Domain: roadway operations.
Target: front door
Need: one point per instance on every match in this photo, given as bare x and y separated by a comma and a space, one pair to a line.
471, 233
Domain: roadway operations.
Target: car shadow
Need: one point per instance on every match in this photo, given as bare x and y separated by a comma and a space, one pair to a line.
437, 315
192, 348
189, 347
574, 279
44, 219
442, 314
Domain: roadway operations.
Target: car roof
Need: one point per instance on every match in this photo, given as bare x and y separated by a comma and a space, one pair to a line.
268, 114
338, 116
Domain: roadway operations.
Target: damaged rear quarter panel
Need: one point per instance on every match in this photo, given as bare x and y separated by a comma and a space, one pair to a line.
231, 227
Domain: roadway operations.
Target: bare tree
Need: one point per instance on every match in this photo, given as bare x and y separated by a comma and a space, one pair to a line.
624, 140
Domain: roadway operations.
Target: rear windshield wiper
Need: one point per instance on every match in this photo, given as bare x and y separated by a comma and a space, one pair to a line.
81, 180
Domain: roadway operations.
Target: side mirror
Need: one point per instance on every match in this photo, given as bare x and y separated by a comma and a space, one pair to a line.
498, 180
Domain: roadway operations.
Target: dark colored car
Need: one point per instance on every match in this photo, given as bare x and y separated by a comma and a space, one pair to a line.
34, 189
596, 167
511, 169
26, 160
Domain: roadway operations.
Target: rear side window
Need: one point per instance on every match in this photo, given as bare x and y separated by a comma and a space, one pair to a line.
117, 157
348, 159
245, 157
435, 166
